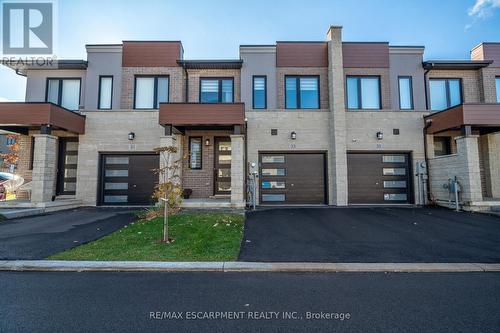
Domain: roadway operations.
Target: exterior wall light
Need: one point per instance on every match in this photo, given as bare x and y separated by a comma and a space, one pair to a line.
207, 142
131, 136
293, 135
380, 135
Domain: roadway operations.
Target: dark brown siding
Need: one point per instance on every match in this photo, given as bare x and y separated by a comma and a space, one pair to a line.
300, 54
487, 51
178, 114
365, 55
151, 54
36, 114
466, 114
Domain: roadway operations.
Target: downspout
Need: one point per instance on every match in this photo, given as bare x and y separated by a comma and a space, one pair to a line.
426, 158
245, 160
186, 88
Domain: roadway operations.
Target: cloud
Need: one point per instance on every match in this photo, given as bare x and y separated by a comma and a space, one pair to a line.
483, 8
3, 99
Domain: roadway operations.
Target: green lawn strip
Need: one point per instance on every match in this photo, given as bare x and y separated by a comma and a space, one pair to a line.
198, 237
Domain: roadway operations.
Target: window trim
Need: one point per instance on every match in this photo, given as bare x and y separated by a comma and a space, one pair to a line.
201, 152
219, 97
412, 106
297, 82
447, 87
99, 92
155, 89
59, 90
360, 100
497, 88
265, 91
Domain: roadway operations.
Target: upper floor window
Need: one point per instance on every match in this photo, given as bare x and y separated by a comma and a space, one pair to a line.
150, 91
216, 90
363, 92
302, 92
105, 101
445, 93
405, 93
64, 92
259, 92
497, 79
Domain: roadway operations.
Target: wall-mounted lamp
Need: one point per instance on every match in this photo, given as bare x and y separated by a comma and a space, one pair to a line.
207, 142
380, 135
293, 135
131, 136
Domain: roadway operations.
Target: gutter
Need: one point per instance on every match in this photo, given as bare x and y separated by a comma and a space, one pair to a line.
426, 158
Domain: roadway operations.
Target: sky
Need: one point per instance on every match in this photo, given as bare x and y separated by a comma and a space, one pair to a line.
213, 29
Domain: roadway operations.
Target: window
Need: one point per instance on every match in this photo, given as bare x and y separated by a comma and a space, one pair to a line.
405, 93
445, 93
273, 184
216, 91
150, 91
64, 92
273, 197
396, 197
497, 79
195, 153
302, 92
273, 172
393, 159
259, 92
442, 145
363, 92
394, 171
273, 159
105, 99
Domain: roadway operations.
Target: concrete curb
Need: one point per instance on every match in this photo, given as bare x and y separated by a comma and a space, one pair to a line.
236, 266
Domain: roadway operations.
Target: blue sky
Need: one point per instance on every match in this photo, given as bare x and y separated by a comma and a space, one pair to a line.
213, 29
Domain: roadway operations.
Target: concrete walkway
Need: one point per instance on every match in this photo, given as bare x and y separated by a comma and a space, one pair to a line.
237, 266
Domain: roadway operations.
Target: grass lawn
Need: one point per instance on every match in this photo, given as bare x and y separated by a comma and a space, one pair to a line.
198, 237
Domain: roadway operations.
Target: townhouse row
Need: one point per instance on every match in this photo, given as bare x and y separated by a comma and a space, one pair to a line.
313, 123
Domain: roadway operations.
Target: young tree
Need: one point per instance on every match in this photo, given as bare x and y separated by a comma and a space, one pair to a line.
12, 156
168, 191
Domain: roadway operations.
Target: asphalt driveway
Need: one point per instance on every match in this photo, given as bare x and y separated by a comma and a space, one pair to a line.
38, 237
370, 235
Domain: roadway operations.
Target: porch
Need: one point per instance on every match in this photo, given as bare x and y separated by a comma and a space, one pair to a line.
210, 144
48, 153
463, 145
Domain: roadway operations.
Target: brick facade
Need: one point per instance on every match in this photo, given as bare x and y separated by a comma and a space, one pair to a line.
323, 82
200, 181
194, 76
385, 89
471, 83
176, 83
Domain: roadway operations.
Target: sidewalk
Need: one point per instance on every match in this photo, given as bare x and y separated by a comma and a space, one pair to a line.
236, 266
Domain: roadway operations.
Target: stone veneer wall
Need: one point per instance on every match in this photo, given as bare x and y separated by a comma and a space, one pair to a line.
464, 165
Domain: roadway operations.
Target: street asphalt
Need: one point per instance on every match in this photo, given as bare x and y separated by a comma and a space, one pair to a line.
412, 235
249, 302
38, 237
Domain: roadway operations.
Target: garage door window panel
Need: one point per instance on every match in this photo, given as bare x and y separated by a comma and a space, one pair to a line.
394, 171
273, 197
273, 185
273, 172
273, 159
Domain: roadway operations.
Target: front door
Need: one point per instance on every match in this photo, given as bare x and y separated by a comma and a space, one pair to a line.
222, 165
67, 163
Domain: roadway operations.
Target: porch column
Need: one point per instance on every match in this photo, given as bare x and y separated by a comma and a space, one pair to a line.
172, 141
44, 168
469, 174
237, 171
494, 163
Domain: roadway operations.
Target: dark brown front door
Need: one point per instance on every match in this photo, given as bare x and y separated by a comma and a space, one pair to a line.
379, 178
292, 178
67, 164
222, 165
128, 179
